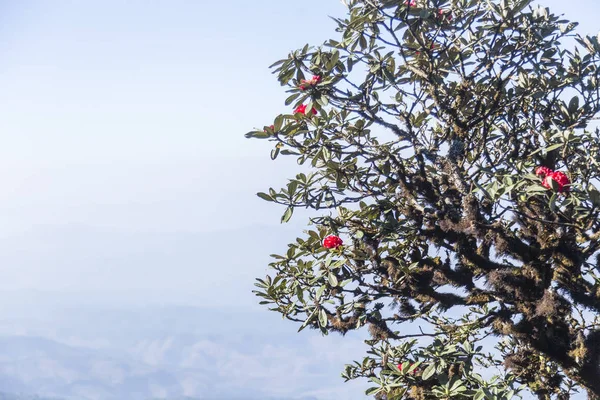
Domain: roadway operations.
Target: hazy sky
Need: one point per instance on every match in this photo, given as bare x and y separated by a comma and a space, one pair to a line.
124, 173
123, 162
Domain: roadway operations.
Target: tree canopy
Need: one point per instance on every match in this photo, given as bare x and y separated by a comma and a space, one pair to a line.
449, 155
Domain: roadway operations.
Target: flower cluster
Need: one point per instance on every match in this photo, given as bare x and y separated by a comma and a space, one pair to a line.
548, 175
332, 242
301, 109
304, 84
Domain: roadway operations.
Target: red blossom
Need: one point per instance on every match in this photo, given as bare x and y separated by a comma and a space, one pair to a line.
332, 242
547, 182
561, 179
304, 84
543, 171
410, 3
444, 14
301, 109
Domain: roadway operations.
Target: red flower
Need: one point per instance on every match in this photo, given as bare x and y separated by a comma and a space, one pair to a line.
410, 3
442, 14
301, 109
311, 82
543, 171
332, 242
409, 365
314, 80
561, 179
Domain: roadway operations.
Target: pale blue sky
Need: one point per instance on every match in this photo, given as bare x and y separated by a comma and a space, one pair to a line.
123, 166
128, 116
119, 113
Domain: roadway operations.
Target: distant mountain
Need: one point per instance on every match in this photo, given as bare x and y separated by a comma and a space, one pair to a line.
108, 341
168, 353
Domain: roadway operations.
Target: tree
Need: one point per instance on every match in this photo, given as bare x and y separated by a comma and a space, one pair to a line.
449, 145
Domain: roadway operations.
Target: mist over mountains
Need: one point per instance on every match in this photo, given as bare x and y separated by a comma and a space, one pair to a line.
169, 352
137, 316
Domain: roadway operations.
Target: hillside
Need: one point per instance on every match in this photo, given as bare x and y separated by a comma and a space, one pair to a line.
167, 353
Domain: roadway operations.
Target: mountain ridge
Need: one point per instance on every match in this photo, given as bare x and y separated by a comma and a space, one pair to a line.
167, 353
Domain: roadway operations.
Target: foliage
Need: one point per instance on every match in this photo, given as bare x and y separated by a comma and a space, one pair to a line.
431, 117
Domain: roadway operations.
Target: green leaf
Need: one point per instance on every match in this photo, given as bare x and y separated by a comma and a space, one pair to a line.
323, 318
264, 196
276, 63
488, 395
335, 56
287, 215
372, 391
291, 99
457, 386
308, 319
350, 63
344, 283
573, 105
275, 153
320, 292
429, 371
323, 100
300, 294
257, 135
554, 184
552, 147
333, 281
594, 195
278, 124
552, 202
